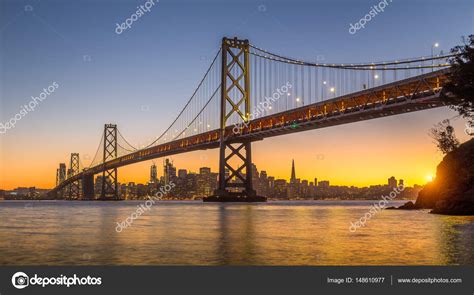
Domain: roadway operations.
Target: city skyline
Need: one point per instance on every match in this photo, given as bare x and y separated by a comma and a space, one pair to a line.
154, 176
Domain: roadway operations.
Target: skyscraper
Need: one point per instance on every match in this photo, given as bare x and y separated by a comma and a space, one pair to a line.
392, 182
293, 173
203, 182
62, 172
153, 174
293, 186
169, 171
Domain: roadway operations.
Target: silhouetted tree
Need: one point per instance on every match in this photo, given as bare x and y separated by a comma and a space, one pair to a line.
443, 134
458, 93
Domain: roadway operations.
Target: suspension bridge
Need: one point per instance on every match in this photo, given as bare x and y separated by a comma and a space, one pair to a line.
248, 94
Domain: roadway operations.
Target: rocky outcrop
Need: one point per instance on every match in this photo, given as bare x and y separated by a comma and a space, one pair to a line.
452, 191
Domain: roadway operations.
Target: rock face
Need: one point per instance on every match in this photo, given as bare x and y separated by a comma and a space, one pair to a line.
452, 191
408, 206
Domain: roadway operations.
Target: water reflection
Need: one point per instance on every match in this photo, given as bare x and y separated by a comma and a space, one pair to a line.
194, 233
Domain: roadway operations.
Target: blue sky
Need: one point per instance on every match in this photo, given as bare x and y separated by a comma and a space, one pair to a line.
141, 78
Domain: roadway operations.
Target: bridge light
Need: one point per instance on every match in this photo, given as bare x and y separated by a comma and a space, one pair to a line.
208, 126
270, 107
297, 99
436, 45
288, 94
195, 130
324, 82
332, 89
376, 76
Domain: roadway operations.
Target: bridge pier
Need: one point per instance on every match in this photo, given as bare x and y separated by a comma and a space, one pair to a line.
240, 190
88, 187
235, 93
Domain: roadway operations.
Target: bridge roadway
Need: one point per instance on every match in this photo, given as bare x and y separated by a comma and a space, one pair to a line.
409, 95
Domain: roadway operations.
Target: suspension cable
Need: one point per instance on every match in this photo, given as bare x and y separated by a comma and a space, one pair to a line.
204, 107
125, 140
97, 151
189, 101
345, 66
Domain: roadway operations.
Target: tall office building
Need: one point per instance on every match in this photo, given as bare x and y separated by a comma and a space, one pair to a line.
392, 182
62, 172
257, 186
293, 187
293, 172
264, 183
203, 182
271, 182
169, 172
280, 189
153, 174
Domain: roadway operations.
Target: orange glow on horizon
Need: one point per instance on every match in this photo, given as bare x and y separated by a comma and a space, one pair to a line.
360, 154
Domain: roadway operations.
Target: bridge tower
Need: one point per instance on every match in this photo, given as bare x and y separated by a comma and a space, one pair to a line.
74, 189
235, 155
109, 177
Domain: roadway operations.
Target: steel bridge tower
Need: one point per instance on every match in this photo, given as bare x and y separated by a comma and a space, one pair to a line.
109, 177
74, 189
235, 155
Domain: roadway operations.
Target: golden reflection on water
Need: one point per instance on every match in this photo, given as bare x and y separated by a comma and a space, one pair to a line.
194, 233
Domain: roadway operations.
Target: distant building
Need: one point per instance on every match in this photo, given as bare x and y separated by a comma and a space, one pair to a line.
323, 184
61, 173
153, 174
191, 185
401, 183
264, 184
169, 172
392, 182
271, 183
293, 171
293, 187
182, 173
280, 189
203, 182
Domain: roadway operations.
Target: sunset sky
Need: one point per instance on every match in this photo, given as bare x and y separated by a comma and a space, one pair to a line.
141, 78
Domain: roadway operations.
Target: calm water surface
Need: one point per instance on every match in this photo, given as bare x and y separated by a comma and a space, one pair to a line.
274, 233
